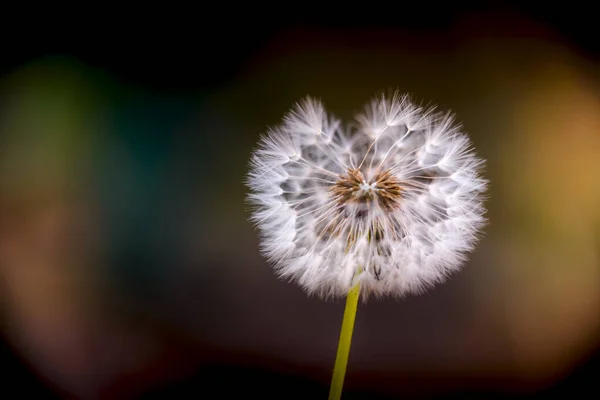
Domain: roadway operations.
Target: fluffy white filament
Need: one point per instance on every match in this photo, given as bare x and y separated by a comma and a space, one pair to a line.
397, 197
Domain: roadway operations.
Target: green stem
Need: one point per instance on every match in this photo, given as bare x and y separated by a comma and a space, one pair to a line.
341, 359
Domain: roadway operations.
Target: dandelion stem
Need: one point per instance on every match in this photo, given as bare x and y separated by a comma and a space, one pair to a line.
343, 351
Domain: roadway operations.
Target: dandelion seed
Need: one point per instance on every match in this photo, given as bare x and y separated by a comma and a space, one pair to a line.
398, 197
390, 207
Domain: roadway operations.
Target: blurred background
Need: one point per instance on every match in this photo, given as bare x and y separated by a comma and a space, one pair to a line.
128, 268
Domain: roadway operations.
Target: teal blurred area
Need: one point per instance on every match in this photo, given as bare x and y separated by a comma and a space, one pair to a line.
127, 263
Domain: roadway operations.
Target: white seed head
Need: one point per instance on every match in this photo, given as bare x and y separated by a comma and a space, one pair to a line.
397, 199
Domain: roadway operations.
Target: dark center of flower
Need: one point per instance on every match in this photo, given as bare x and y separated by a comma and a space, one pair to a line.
353, 188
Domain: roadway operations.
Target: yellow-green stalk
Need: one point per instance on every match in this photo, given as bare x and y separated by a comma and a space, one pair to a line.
343, 351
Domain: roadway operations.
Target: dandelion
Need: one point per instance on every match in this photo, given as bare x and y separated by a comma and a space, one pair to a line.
391, 205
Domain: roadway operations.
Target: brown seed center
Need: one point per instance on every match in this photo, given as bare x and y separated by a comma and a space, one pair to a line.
384, 188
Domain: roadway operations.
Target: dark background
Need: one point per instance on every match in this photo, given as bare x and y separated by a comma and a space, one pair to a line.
129, 270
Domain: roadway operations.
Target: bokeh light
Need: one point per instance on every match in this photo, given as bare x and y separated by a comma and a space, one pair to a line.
127, 263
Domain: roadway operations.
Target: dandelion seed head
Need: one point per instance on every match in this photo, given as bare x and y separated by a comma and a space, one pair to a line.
399, 198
